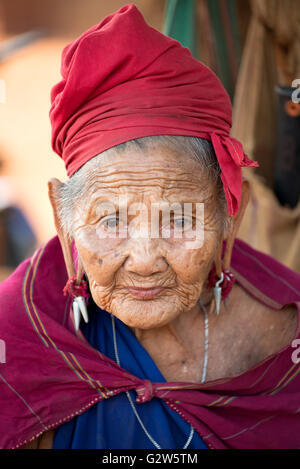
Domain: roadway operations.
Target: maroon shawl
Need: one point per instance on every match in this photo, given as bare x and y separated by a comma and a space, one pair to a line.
52, 375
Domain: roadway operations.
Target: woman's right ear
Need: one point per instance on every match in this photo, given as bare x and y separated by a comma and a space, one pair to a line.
54, 186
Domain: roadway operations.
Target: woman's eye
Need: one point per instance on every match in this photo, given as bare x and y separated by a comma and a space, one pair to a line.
111, 223
179, 223
182, 223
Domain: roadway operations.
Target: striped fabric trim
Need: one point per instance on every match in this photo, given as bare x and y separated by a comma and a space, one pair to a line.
39, 327
25, 299
286, 379
282, 280
255, 292
260, 422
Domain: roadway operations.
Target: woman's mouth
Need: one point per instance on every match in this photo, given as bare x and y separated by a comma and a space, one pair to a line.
144, 293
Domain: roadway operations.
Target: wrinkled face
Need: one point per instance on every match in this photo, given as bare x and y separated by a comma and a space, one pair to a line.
147, 278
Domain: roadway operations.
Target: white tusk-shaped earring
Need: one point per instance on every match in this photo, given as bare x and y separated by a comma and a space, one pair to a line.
76, 312
82, 306
80, 295
218, 293
79, 308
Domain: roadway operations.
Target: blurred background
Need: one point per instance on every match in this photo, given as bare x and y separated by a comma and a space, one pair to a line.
252, 45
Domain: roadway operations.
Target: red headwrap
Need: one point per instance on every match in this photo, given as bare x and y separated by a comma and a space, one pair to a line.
122, 80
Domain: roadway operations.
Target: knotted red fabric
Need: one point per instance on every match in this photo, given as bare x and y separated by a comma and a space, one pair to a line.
122, 80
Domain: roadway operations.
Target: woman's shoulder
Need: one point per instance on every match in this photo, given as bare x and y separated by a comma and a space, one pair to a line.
41, 276
264, 302
248, 332
263, 277
273, 328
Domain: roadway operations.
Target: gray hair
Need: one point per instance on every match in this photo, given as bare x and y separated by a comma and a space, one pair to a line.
200, 150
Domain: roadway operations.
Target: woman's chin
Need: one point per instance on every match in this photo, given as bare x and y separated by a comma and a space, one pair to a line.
146, 314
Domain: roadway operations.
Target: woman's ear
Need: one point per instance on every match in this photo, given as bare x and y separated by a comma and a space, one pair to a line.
54, 186
235, 224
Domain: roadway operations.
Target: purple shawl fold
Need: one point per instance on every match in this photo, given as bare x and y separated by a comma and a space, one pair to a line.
51, 374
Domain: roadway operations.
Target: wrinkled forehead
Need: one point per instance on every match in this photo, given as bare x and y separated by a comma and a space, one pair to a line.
158, 173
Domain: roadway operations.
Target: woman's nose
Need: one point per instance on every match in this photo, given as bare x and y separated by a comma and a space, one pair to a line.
145, 258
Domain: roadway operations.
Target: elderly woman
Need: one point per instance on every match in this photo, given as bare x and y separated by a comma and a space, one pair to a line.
116, 332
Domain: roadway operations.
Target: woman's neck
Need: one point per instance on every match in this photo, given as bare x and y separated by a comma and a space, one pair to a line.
175, 347
239, 338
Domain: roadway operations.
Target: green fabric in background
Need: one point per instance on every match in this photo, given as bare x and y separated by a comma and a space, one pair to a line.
180, 23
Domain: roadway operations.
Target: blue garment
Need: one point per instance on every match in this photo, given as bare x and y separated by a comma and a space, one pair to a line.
112, 423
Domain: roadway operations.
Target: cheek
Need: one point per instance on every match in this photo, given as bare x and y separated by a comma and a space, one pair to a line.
193, 265
95, 242
100, 257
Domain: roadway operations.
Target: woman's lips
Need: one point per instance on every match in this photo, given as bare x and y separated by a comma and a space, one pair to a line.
145, 293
